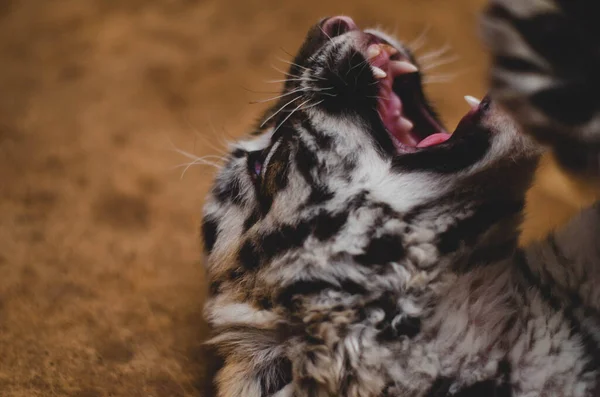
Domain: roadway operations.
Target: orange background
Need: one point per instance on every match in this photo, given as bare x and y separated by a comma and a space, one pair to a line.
101, 281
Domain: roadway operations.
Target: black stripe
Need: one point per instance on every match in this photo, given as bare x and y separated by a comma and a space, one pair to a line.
264, 248
498, 387
261, 250
324, 142
238, 153
275, 177
490, 254
572, 103
249, 256
516, 64
285, 238
209, 233
327, 225
576, 156
382, 250
523, 265
235, 274
553, 244
215, 287
585, 13
407, 326
551, 35
228, 190
468, 230
275, 377
479, 389
318, 195
251, 220
441, 387
499, 12
306, 162
302, 288
287, 296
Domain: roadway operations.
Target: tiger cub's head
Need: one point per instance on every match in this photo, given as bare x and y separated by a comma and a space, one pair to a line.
353, 169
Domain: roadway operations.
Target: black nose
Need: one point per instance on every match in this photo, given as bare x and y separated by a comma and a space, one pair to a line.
337, 26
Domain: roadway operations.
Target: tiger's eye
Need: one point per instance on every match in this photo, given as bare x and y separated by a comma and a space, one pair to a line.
257, 167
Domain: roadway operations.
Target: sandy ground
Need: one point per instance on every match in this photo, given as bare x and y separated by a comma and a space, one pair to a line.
101, 281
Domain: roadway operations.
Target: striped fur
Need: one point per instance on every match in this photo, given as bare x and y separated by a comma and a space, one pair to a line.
343, 269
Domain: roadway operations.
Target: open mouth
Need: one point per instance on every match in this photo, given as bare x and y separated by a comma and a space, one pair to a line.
404, 111
401, 103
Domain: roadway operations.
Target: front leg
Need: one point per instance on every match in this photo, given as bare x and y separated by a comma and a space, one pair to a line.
546, 72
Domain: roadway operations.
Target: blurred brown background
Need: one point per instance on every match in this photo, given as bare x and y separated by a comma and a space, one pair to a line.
101, 281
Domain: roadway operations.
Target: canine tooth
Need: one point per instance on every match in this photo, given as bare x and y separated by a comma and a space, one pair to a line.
373, 51
472, 101
378, 73
403, 67
405, 124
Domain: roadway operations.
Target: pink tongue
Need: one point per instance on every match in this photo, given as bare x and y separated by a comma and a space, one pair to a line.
434, 139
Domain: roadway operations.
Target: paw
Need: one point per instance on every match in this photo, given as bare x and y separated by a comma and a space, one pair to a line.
545, 68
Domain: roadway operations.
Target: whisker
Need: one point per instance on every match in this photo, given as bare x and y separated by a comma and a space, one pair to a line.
321, 89
435, 53
285, 73
197, 162
440, 62
279, 110
192, 156
286, 52
259, 92
439, 79
279, 96
183, 152
292, 63
197, 135
295, 75
362, 69
290, 115
357, 65
286, 80
329, 37
314, 104
417, 43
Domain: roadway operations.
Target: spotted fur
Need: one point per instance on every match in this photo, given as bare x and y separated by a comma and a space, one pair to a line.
339, 268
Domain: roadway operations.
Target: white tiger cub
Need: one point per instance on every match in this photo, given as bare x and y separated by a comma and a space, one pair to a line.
356, 249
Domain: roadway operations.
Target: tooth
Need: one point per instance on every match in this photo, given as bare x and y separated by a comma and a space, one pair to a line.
405, 124
389, 49
378, 73
373, 51
403, 67
472, 101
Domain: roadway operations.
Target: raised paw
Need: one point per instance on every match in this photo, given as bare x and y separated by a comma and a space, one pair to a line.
545, 71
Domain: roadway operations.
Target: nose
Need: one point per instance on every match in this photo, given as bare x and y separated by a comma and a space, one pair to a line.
337, 26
